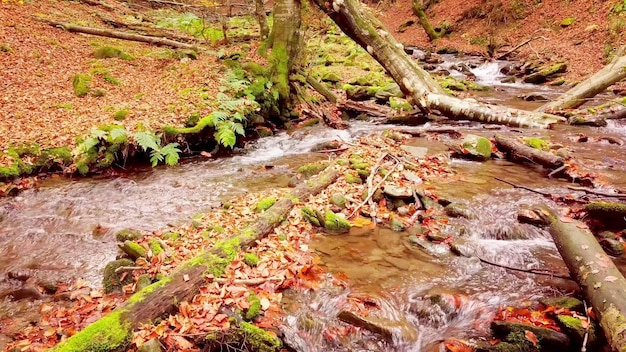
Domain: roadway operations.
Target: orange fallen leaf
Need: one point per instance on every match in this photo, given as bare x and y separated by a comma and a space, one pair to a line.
530, 336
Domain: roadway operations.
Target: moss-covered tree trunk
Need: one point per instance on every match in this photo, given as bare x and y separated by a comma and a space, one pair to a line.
601, 80
259, 14
419, 9
358, 23
602, 283
285, 45
114, 331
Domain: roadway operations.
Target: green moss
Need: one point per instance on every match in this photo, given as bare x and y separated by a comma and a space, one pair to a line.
111, 281
279, 61
265, 204
255, 307
155, 246
251, 259
120, 115
338, 200
81, 83
480, 146
342, 162
309, 170
5, 48
109, 333
352, 177
336, 224
537, 143
311, 216
568, 21
128, 235
134, 250
606, 207
566, 302
258, 339
106, 52
143, 293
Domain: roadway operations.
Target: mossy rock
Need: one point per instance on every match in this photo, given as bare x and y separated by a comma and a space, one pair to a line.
352, 177
251, 259
254, 310
143, 281
152, 345
309, 170
399, 104
571, 303
155, 246
568, 21
314, 216
456, 210
107, 52
185, 53
330, 76
134, 250
265, 204
546, 72
548, 339
338, 200
258, 339
335, 223
112, 281
537, 143
573, 327
396, 224
128, 235
82, 84
477, 146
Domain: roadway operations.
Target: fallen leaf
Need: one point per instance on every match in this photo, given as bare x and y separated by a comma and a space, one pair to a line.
610, 278
265, 303
530, 336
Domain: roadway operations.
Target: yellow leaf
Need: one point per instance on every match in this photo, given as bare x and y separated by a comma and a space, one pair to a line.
361, 222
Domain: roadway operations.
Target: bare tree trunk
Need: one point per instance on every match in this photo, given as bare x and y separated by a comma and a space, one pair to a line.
259, 13
285, 45
360, 25
113, 331
602, 283
120, 35
601, 80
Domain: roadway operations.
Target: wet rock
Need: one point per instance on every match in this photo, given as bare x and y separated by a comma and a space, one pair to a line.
143, 281
416, 152
549, 340
545, 73
607, 234
462, 250
128, 235
27, 291
573, 327
437, 308
427, 202
295, 180
49, 287
396, 224
476, 147
417, 229
335, 223
527, 216
565, 302
314, 216
612, 247
385, 327
330, 145
19, 275
113, 281
456, 210
134, 250
434, 249
508, 233
413, 177
533, 96
152, 345
403, 210
508, 79
398, 192
436, 237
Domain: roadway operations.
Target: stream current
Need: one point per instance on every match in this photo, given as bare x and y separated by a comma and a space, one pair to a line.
65, 229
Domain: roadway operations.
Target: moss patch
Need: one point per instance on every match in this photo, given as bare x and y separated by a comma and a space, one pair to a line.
537, 143
309, 170
107, 52
251, 259
128, 235
259, 339
111, 280
265, 204
82, 84
109, 333
255, 307
335, 224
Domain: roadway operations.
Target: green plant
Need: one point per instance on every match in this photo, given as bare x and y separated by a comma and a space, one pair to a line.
120, 115
619, 7
82, 84
106, 52
148, 141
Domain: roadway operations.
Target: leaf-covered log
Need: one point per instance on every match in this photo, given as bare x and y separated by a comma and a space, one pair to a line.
358, 23
113, 332
602, 283
518, 150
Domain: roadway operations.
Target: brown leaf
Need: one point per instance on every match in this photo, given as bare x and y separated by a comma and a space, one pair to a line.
530, 336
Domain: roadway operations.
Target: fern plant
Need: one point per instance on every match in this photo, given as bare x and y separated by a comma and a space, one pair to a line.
150, 142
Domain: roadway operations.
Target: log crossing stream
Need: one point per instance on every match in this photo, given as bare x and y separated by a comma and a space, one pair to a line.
65, 230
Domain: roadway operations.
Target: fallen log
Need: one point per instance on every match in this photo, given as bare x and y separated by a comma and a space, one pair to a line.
356, 21
113, 331
518, 150
597, 83
602, 283
119, 35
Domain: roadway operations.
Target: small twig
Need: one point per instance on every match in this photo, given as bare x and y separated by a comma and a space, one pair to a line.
529, 271
332, 150
370, 179
599, 193
129, 268
545, 194
251, 282
583, 348
369, 195
557, 171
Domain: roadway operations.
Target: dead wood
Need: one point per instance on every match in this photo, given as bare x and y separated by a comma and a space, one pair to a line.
119, 35
517, 150
185, 281
602, 283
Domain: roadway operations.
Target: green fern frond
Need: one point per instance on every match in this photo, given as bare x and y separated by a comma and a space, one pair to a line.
155, 157
219, 116
118, 135
147, 140
171, 153
238, 128
225, 135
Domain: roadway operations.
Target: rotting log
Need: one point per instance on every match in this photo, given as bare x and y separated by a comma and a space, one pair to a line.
113, 331
519, 150
356, 21
119, 35
602, 283
597, 83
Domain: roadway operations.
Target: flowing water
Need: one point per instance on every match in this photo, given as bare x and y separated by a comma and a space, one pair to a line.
65, 229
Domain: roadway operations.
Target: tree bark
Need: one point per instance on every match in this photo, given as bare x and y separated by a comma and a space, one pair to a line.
113, 332
359, 24
120, 35
419, 9
519, 150
259, 13
602, 283
589, 88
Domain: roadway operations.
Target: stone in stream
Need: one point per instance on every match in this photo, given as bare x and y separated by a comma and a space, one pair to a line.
533, 96
573, 327
612, 247
416, 152
476, 147
396, 224
462, 250
335, 223
398, 192
134, 250
608, 234
430, 248
549, 340
128, 235
26, 291
437, 308
113, 281
527, 216
565, 302
385, 327
456, 210
338, 200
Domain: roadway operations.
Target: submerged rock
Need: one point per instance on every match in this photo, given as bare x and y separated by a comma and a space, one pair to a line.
456, 210
385, 327
549, 340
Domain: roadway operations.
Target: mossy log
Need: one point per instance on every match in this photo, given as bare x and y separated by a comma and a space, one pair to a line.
114, 331
518, 150
364, 28
597, 83
119, 35
602, 283
613, 215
